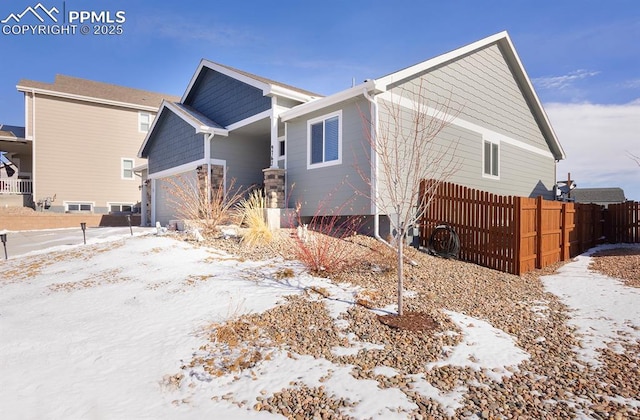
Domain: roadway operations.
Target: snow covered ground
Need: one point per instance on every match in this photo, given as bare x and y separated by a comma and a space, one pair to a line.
98, 331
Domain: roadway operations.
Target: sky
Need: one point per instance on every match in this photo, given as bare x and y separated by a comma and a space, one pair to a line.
582, 56
84, 339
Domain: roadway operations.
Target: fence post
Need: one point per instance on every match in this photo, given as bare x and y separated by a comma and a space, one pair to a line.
539, 232
517, 235
564, 234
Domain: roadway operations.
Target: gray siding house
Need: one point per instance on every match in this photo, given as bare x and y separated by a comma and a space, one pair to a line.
504, 142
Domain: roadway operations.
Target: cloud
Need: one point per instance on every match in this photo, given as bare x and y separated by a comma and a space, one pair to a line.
597, 140
632, 84
565, 81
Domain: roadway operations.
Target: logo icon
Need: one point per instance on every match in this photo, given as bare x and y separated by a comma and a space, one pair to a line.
38, 11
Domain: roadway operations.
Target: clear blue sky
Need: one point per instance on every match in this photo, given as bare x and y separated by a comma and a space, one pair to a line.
582, 56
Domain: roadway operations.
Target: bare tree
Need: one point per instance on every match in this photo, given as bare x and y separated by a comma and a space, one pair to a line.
408, 146
633, 157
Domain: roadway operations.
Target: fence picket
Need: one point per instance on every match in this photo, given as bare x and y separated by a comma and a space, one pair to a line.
518, 234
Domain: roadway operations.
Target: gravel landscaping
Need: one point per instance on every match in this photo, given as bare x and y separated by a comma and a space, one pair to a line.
552, 383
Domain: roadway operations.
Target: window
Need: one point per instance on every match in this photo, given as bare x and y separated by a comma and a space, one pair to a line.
78, 206
144, 122
281, 148
120, 208
491, 159
325, 140
127, 168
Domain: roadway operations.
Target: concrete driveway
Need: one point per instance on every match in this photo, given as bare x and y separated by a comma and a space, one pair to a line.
20, 243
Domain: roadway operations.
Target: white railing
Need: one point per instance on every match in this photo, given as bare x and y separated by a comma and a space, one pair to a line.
15, 186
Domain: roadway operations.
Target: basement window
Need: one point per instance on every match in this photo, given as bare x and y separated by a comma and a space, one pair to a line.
78, 207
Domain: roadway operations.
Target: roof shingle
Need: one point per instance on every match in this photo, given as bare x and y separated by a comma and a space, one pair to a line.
99, 90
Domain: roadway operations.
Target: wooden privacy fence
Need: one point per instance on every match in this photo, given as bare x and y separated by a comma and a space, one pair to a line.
622, 222
518, 234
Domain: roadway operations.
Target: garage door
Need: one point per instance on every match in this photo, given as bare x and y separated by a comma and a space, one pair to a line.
168, 199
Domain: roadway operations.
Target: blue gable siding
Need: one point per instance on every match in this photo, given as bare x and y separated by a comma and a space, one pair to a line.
224, 99
174, 143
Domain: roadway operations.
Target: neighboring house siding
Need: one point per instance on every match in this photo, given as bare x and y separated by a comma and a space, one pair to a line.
226, 100
78, 151
321, 191
245, 158
174, 143
480, 90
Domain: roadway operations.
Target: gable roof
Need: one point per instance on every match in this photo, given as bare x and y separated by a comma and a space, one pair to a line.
11, 132
269, 87
502, 40
200, 122
99, 92
598, 195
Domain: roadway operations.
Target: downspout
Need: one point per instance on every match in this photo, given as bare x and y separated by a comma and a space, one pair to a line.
374, 167
33, 146
207, 158
374, 174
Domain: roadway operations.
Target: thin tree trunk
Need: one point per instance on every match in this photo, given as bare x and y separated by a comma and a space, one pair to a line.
400, 268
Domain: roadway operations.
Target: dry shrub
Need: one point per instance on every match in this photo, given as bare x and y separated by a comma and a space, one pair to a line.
323, 245
251, 210
193, 205
234, 346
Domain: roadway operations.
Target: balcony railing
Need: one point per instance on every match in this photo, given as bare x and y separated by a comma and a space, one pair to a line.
15, 186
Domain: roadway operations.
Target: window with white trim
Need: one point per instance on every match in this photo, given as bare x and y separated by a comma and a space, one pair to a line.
120, 207
281, 148
324, 140
144, 122
491, 157
78, 206
127, 169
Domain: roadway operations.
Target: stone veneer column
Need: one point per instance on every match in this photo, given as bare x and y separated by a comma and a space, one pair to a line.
217, 178
274, 182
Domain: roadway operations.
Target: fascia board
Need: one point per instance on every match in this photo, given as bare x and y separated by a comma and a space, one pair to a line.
274, 90
503, 40
436, 61
194, 122
47, 92
371, 86
224, 70
249, 120
200, 128
512, 54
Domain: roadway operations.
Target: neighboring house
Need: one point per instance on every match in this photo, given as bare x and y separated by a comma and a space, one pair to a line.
15, 167
84, 136
601, 196
318, 146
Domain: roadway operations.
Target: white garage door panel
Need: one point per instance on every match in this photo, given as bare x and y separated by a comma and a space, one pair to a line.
166, 208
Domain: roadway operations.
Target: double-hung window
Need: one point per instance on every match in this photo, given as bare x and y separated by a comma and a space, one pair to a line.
324, 136
127, 169
491, 156
144, 122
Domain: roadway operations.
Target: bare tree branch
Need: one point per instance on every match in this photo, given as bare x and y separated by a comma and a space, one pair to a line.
408, 146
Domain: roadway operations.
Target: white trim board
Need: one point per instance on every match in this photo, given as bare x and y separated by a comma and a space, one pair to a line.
457, 121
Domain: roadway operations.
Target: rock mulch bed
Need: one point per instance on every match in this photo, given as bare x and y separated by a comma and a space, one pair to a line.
553, 383
621, 263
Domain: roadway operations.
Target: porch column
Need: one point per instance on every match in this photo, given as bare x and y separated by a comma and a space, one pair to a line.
274, 132
274, 187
